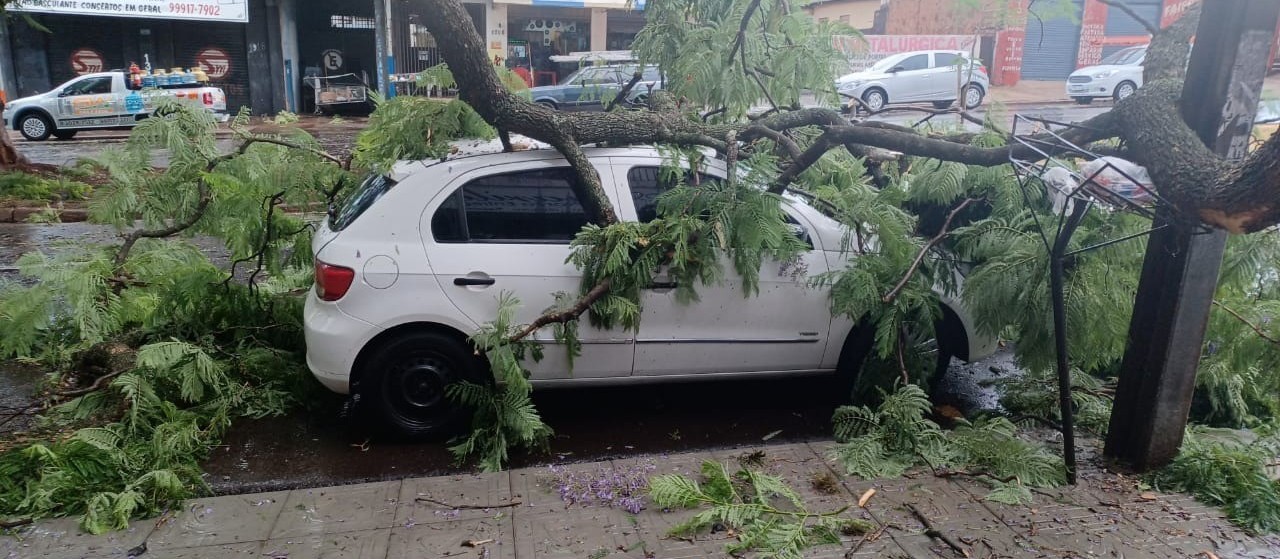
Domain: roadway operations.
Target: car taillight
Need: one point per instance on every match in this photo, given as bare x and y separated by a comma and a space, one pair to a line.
208, 98
332, 282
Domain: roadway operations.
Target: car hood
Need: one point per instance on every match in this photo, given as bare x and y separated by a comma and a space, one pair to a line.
1091, 70
16, 103
861, 77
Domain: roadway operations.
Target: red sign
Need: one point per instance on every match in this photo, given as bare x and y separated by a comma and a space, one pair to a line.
1173, 9
1093, 25
86, 61
1008, 57
215, 62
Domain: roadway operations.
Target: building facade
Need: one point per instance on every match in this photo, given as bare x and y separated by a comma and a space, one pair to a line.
858, 14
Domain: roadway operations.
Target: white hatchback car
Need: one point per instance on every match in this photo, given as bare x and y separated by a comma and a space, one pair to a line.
918, 77
1117, 76
415, 260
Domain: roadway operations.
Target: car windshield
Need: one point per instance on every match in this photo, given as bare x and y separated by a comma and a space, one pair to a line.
362, 199
1126, 57
884, 64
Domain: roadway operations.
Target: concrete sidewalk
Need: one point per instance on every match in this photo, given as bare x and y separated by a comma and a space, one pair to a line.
1105, 516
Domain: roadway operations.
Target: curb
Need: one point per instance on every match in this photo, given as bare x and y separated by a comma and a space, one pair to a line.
20, 214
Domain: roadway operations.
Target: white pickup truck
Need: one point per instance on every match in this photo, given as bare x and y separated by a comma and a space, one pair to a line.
96, 101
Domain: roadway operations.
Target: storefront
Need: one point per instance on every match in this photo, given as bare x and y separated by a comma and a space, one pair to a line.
228, 39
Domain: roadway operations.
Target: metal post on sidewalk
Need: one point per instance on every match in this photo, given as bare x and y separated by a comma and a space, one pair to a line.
382, 36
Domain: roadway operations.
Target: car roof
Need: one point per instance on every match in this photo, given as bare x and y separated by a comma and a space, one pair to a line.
467, 155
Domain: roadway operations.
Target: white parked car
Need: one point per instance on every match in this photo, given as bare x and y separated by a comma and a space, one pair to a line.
918, 77
1117, 77
414, 261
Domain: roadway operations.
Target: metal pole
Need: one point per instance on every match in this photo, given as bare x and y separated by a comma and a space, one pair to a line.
382, 35
1056, 281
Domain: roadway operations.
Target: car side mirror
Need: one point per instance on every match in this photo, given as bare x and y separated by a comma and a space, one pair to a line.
897, 69
63, 93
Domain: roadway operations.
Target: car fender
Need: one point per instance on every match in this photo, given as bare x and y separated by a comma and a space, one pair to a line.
20, 112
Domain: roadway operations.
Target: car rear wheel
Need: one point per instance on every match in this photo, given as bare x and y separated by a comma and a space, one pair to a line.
859, 346
35, 127
1083, 100
64, 134
403, 387
1125, 89
548, 104
875, 99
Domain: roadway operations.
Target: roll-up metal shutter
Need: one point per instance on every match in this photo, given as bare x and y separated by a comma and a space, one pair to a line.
81, 45
1122, 24
219, 47
1050, 49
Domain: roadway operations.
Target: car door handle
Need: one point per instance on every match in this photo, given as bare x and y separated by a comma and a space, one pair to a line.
663, 285
474, 281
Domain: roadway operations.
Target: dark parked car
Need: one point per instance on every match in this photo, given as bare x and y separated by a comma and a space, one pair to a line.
593, 87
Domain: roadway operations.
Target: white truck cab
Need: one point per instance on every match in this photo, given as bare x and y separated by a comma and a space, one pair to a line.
97, 101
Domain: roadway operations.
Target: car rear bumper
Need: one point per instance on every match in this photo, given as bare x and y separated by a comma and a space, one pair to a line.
334, 339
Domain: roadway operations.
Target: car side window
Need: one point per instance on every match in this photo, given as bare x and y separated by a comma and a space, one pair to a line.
647, 183
651, 74
917, 62
535, 206
949, 60
90, 86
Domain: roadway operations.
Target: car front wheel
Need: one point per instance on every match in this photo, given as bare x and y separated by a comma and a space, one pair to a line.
1125, 89
404, 386
875, 99
35, 127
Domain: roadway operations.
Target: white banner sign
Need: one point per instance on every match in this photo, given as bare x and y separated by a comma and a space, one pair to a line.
204, 10
864, 51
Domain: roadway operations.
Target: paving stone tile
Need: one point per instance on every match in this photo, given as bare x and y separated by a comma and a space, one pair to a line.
581, 531
1079, 530
687, 463
219, 520
445, 539
951, 510
63, 539
365, 544
334, 510
800, 467
460, 490
232, 550
536, 488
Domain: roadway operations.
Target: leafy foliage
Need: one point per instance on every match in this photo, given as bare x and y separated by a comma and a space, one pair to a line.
25, 186
1228, 472
504, 415
410, 128
897, 436
768, 515
186, 347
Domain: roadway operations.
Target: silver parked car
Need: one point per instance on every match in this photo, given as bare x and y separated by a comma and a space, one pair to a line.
594, 87
917, 77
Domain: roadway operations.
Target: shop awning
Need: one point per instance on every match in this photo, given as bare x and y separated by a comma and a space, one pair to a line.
610, 4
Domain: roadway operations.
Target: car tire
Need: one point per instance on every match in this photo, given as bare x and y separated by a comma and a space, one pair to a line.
875, 99
1125, 89
402, 389
548, 104
943, 105
1083, 100
972, 95
857, 348
64, 134
35, 127
640, 101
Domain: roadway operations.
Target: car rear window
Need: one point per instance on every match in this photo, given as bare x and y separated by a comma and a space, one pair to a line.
535, 206
369, 191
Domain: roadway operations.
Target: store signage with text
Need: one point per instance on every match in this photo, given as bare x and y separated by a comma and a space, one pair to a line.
864, 51
206, 10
